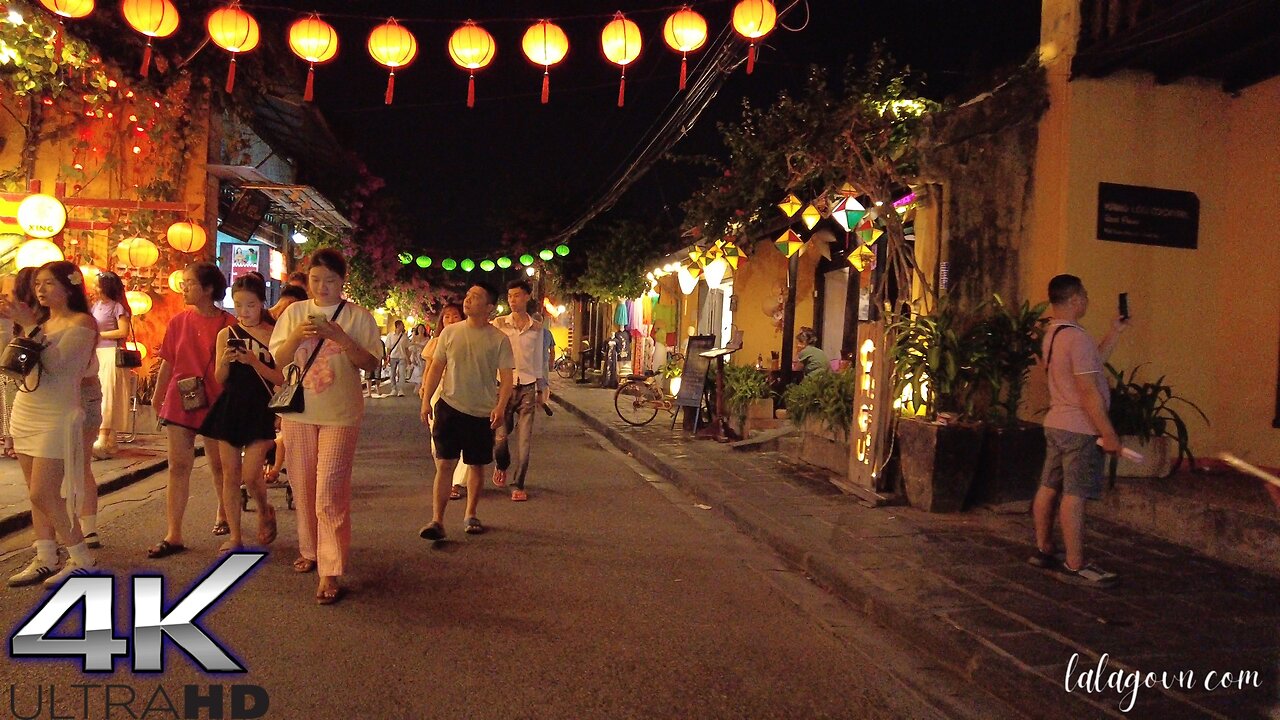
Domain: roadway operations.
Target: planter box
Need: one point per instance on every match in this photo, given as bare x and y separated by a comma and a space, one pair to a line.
938, 462
1010, 465
759, 417
1158, 457
819, 446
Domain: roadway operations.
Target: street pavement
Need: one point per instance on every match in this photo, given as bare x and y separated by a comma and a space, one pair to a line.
610, 594
957, 587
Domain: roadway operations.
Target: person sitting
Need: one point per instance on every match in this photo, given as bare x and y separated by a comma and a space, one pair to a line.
809, 357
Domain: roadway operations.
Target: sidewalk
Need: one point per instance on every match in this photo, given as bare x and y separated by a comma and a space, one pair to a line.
958, 588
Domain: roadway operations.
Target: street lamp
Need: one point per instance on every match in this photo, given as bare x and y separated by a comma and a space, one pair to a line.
299, 238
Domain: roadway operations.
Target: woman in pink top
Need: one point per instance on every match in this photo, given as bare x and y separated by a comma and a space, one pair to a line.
115, 321
187, 351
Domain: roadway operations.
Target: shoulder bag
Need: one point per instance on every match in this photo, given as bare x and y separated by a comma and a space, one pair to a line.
126, 358
288, 399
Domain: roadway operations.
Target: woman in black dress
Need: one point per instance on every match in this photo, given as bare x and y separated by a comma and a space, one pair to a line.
239, 420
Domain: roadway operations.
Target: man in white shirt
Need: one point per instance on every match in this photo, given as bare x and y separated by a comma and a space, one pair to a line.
532, 360
397, 357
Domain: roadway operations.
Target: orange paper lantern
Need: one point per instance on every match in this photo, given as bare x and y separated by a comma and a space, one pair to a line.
69, 8
153, 18
175, 281
545, 44
138, 301
186, 237
471, 48
235, 31
620, 42
392, 47
753, 19
315, 41
685, 31
137, 252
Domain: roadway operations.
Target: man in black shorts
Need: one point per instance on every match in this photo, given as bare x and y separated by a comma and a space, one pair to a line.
470, 407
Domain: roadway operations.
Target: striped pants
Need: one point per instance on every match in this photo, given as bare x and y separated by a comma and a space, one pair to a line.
319, 460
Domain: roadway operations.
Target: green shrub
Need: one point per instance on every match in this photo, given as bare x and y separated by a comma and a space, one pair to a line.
826, 397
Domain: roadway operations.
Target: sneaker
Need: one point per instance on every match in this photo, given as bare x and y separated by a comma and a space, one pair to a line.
34, 573
92, 541
1090, 576
434, 531
519, 495
71, 567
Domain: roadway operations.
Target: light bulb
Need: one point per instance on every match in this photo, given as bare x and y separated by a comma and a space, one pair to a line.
528, 271
299, 238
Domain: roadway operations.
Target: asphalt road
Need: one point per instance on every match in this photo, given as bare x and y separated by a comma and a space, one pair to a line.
608, 595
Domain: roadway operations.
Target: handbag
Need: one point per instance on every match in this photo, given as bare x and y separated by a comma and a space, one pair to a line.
192, 393
289, 398
20, 357
126, 358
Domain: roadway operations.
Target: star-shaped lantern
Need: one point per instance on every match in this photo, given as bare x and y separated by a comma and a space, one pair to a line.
810, 215
731, 254
791, 205
848, 213
862, 258
788, 243
867, 232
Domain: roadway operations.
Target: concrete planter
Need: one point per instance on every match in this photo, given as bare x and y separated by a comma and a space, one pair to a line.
938, 462
1010, 464
819, 446
1157, 457
759, 417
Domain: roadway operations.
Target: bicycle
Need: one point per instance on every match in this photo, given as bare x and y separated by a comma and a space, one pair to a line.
639, 398
564, 365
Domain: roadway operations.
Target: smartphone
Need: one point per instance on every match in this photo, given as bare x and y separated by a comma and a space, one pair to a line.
1124, 306
237, 343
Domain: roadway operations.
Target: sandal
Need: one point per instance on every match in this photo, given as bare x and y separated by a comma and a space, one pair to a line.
267, 529
330, 596
9, 452
1090, 576
455, 493
164, 548
499, 478
473, 526
303, 565
221, 528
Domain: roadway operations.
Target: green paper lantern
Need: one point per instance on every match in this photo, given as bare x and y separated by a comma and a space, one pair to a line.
487, 265
405, 258
526, 259
562, 250
424, 261
546, 255
468, 264
449, 264
504, 262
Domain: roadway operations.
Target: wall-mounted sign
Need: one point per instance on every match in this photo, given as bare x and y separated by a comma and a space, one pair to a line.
245, 215
244, 260
42, 216
1148, 216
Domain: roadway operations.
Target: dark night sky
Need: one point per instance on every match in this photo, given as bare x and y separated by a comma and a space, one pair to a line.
460, 172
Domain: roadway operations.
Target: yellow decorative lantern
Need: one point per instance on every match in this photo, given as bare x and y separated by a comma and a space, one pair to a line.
862, 258
790, 205
620, 42
867, 232
392, 47
153, 18
471, 48
235, 31
34, 253
42, 216
685, 31
139, 302
69, 8
90, 272
788, 243
545, 44
142, 349
315, 41
137, 252
810, 215
753, 19
186, 237
175, 281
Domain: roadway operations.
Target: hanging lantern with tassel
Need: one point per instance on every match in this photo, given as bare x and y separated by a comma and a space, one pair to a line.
392, 47
545, 44
73, 9
685, 31
471, 48
153, 18
620, 42
235, 31
753, 19
315, 41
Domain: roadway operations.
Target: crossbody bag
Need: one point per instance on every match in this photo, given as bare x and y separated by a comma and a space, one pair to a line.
289, 399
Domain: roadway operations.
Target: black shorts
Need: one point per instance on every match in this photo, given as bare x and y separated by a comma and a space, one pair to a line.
457, 433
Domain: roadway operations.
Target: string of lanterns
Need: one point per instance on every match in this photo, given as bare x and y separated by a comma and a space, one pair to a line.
486, 265
470, 46
849, 214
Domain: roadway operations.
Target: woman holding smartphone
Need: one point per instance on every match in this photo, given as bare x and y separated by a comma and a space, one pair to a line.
239, 419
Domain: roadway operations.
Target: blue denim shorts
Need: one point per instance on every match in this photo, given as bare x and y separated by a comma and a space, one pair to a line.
1072, 463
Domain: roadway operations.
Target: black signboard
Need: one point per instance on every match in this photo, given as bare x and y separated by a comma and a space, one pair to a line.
1148, 216
245, 215
694, 375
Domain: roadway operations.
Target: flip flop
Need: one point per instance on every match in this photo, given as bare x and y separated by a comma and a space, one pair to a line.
329, 597
164, 548
499, 478
473, 526
221, 528
267, 530
303, 565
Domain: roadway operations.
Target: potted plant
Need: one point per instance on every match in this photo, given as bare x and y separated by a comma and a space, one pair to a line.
938, 442
1146, 422
1012, 450
670, 370
821, 406
749, 398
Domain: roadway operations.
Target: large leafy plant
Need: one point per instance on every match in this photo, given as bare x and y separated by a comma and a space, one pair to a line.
744, 384
826, 397
1010, 339
937, 357
1145, 410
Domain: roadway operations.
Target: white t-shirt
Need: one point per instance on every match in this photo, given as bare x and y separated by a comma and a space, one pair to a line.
331, 389
397, 346
473, 357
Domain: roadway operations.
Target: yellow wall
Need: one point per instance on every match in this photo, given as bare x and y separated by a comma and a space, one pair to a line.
759, 284
1207, 319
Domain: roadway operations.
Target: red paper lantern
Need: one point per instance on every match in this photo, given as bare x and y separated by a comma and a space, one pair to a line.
235, 31
315, 41
685, 31
545, 44
753, 19
392, 47
153, 18
620, 41
471, 48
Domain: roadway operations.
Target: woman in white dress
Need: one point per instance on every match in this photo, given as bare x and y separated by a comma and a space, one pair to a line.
48, 423
417, 342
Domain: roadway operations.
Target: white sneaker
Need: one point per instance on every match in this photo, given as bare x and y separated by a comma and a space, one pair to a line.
34, 573
71, 567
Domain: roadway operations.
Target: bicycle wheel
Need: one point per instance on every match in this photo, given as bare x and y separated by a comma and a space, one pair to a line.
636, 403
566, 368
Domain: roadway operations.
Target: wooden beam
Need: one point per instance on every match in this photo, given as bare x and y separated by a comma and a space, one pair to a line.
109, 203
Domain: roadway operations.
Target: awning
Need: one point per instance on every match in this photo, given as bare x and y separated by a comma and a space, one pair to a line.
296, 202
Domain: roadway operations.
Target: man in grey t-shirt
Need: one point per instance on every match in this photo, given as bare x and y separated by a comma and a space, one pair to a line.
470, 407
